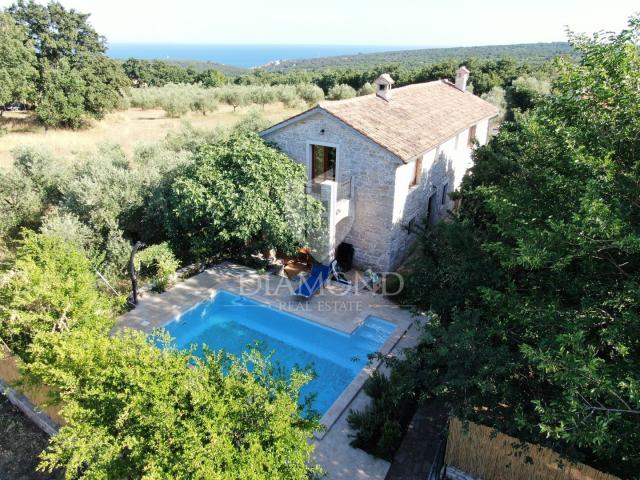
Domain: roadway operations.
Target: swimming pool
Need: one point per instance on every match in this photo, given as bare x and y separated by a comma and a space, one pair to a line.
231, 323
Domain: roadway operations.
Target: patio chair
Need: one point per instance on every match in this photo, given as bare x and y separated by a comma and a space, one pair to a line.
317, 278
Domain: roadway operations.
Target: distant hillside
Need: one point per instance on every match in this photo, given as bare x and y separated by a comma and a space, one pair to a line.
531, 53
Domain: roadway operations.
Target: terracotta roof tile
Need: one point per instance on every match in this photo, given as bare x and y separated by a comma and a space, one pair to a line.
418, 118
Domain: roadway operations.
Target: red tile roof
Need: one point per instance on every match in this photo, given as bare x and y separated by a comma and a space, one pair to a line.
417, 118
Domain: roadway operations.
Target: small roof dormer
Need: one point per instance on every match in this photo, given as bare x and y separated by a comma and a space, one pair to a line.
383, 86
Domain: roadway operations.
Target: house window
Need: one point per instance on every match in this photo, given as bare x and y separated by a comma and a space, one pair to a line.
323, 163
472, 137
445, 191
417, 172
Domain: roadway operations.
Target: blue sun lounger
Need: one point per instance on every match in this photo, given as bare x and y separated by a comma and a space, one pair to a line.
319, 276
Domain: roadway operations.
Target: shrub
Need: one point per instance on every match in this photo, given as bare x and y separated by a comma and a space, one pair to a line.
134, 410
496, 96
234, 96
23, 203
69, 228
239, 195
381, 425
288, 95
341, 92
49, 290
157, 264
262, 95
311, 94
39, 165
205, 102
252, 122
175, 105
367, 89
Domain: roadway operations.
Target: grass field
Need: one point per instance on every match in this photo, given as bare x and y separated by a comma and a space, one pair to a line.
127, 128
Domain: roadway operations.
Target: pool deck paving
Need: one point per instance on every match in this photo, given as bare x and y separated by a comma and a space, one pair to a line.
335, 306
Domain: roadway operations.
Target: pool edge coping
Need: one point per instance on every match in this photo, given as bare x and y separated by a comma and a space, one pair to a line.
341, 404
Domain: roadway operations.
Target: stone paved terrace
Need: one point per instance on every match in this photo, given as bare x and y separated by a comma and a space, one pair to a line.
333, 307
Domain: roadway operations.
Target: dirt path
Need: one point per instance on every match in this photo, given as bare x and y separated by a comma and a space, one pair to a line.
20, 444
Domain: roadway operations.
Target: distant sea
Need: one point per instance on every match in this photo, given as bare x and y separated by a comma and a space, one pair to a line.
241, 55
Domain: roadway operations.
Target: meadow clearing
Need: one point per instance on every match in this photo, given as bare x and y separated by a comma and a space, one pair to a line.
127, 128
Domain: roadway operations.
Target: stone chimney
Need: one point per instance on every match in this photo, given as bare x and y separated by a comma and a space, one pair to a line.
462, 77
383, 86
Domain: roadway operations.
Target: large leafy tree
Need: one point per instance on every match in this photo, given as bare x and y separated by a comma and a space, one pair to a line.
134, 410
537, 283
75, 76
239, 195
17, 63
49, 290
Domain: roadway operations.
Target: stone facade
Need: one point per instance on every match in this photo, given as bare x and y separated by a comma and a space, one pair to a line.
384, 200
442, 171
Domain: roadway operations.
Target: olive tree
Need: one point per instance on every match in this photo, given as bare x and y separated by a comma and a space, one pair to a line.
341, 92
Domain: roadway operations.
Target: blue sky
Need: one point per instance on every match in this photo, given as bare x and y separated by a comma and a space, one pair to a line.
358, 22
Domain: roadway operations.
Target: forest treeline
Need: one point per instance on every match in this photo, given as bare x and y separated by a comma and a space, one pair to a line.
67, 78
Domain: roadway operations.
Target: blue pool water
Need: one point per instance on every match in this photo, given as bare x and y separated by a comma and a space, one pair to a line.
232, 323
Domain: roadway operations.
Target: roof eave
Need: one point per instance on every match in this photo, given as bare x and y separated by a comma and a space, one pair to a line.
290, 120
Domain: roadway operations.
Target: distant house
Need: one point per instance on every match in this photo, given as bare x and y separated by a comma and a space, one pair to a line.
385, 160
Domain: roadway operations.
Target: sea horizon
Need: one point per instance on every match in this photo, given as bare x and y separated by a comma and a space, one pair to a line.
242, 55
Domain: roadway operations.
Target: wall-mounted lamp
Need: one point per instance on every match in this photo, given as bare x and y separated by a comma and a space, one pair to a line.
322, 132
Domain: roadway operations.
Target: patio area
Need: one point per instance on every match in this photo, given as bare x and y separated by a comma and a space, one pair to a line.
335, 306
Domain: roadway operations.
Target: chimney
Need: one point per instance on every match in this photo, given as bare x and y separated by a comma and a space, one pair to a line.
462, 77
383, 86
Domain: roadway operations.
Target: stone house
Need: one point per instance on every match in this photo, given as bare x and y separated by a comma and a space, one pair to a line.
383, 161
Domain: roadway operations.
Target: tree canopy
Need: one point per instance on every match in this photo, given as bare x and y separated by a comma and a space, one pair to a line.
139, 408
17, 63
239, 193
50, 290
75, 78
535, 284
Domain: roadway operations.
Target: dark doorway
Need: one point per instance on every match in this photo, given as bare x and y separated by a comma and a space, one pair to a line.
431, 210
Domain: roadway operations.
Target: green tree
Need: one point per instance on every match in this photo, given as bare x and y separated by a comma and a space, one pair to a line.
157, 264
212, 78
524, 93
134, 410
262, 95
312, 94
366, 89
536, 284
17, 63
175, 105
61, 101
50, 290
205, 102
76, 79
239, 195
341, 92
234, 97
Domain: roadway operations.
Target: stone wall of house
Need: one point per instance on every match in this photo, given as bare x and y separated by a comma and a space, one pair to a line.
372, 169
385, 200
442, 167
